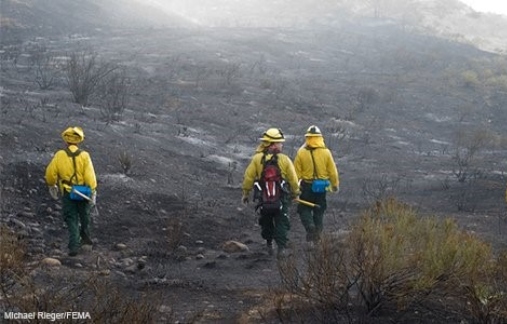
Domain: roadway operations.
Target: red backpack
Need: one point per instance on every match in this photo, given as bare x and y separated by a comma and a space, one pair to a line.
269, 188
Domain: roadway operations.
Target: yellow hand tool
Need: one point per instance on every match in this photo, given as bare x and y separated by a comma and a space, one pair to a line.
307, 203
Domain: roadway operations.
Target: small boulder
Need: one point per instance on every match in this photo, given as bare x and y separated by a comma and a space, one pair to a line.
234, 247
51, 262
87, 248
120, 247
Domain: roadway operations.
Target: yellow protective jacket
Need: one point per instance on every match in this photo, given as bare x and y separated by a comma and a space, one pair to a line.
254, 170
325, 167
61, 169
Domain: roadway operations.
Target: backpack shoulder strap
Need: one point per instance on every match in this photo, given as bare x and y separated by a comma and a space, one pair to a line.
73, 156
311, 149
263, 158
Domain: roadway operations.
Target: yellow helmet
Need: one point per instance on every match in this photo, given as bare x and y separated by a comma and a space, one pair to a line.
313, 131
273, 135
73, 135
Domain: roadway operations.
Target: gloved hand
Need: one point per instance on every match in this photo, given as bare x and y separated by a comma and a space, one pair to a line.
93, 198
53, 191
336, 189
244, 199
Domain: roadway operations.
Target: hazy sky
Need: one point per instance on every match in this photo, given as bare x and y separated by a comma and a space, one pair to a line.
495, 6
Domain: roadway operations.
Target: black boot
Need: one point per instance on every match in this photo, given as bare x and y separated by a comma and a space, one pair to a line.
269, 246
86, 240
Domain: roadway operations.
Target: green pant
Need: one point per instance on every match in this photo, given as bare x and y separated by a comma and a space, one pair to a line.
312, 218
76, 215
276, 226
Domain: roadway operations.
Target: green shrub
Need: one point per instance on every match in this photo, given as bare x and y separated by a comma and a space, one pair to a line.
470, 79
405, 260
498, 82
394, 262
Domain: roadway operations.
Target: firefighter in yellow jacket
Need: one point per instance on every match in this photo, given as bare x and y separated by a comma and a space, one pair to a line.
318, 174
275, 222
68, 167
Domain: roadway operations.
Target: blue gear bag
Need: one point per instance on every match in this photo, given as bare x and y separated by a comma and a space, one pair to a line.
320, 185
85, 190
